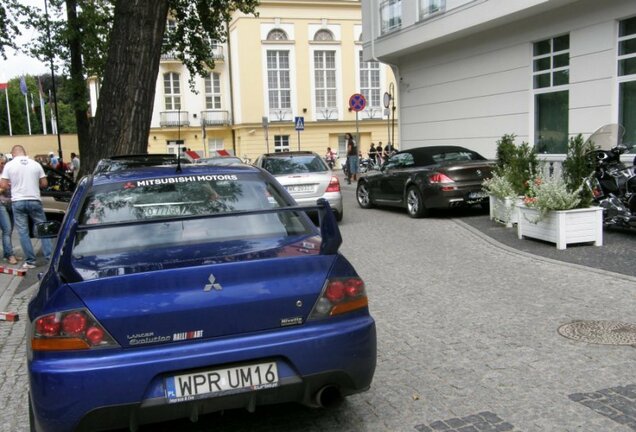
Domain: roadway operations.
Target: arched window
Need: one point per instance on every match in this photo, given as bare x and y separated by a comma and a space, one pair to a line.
277, 35
323, 35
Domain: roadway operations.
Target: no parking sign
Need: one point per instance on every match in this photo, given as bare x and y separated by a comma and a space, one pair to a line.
357, 102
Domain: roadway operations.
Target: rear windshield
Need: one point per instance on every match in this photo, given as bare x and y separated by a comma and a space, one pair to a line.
152, 201
456, 156
294, 164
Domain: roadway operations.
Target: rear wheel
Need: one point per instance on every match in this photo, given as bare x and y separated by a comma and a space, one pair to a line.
363, 195
339, 215
415, 204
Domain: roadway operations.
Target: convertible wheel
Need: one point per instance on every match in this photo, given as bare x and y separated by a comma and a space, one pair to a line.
363, 195
414, 203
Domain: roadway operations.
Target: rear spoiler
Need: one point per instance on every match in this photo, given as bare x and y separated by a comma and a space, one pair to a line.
329, 231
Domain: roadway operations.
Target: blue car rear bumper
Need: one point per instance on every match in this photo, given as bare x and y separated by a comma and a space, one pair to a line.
117, 388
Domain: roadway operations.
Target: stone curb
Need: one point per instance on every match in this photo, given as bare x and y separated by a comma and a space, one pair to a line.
492, 241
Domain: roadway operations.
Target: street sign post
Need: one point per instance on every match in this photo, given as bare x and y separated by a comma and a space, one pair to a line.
357, 103
266, 127
300, 126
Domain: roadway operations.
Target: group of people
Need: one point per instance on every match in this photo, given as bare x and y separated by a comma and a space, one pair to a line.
71, 168
21, 179
377, 154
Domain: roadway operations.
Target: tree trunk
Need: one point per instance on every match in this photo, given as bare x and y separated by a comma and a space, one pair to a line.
126, 99
78, 82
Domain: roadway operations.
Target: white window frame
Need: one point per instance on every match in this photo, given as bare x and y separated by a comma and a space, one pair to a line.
621, 79
551, 88
333, 112
283, 109
213, 99
281, 143
390, 15
328, 109
278, 113
172, 92
371, 111
425, 8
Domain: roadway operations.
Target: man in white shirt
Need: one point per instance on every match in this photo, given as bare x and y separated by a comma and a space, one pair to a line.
75, 166
25, 177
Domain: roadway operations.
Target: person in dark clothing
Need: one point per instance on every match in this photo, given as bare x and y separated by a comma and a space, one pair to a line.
372, 153
352, 158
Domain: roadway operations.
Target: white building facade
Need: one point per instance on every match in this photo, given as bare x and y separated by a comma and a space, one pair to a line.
470, 71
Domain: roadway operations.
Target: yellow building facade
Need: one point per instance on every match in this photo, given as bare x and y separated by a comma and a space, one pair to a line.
297, 58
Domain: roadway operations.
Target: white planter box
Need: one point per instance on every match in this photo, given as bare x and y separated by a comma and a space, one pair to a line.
562, 227
504, 211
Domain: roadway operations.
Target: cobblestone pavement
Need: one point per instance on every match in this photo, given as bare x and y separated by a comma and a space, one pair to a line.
467, 340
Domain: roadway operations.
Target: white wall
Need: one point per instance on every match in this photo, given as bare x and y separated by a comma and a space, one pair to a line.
472, 91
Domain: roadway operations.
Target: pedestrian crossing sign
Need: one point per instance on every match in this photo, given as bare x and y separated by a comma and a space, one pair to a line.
300, 123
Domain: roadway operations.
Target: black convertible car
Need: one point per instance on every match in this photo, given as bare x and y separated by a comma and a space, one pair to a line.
425, 178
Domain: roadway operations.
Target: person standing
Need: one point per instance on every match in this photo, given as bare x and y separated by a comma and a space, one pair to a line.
53, 160
5, 220
379, 156
372, 153
352, 158
330, 157
26, 177
75, 166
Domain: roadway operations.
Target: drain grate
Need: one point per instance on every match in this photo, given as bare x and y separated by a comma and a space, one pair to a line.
600, 332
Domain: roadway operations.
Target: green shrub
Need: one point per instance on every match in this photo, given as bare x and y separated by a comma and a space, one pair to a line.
579, 166
518, 163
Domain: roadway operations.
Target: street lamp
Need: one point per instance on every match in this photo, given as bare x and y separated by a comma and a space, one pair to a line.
48, 35
389, 100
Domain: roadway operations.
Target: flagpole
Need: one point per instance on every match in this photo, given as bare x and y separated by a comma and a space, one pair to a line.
48, 33
6, 93
26, 107
42, 110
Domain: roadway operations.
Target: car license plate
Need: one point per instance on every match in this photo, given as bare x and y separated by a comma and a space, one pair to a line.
299, 188
477, 195
213, 382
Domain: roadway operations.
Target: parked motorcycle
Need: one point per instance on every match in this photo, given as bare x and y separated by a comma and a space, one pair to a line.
613, 184
367, 164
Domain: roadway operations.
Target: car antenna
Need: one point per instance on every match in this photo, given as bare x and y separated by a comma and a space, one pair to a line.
179, 157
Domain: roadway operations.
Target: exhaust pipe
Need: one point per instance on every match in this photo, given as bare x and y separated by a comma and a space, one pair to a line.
328, 397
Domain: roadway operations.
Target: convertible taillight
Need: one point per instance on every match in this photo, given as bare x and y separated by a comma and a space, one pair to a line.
334, 185
440, 178
69, 330
339, 296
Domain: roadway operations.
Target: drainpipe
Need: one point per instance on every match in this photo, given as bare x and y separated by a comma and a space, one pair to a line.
229, 67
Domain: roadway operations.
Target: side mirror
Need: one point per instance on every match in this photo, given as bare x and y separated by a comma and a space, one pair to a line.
48, 229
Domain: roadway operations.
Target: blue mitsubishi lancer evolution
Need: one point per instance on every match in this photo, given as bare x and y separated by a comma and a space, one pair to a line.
177, 291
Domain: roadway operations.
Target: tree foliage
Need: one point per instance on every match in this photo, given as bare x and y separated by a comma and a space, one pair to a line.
121, 51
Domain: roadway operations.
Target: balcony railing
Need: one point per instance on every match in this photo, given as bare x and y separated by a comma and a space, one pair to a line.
174, 118
327, 113
215, 117
371, 113
217, 54
280, 114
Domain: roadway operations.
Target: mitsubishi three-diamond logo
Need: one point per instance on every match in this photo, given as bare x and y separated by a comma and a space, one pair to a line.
213, 284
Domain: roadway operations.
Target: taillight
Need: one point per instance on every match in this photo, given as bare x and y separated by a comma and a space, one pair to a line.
69, 330
340, 295
440, 178
334, 185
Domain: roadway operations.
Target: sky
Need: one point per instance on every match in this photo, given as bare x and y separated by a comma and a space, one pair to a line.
18, 64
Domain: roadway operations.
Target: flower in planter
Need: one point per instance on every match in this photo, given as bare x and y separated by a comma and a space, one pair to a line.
551, 194
499, 186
